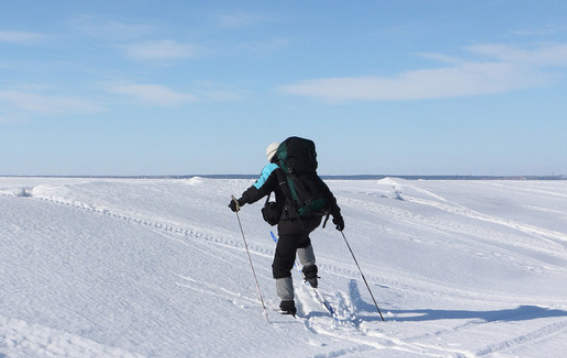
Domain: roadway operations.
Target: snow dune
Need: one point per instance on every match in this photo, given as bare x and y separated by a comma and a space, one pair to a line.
157, 268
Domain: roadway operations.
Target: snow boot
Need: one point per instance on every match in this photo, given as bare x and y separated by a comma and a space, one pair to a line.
307, 260
288, 307
284, 288
310, 275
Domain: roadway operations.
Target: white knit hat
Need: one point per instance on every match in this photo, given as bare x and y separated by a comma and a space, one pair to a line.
271, 150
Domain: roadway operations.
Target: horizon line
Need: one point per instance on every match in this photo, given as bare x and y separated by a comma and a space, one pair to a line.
323, 176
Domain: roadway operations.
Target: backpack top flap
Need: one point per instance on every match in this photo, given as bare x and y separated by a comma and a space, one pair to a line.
297, 155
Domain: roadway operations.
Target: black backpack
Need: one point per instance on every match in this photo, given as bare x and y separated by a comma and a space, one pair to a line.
304, 190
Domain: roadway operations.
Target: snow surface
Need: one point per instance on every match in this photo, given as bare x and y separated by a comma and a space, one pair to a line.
158, 268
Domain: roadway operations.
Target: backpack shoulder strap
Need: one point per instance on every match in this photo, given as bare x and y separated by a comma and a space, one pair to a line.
286, 185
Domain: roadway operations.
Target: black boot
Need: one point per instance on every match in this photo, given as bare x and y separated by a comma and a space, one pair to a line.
288, 307
310, 275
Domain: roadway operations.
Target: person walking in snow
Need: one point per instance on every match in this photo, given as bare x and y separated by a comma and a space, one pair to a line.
293, 231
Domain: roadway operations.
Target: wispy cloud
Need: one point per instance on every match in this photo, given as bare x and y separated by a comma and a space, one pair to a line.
540, 31
98, 27
129, 38
38, 103
235, 20
21, 37
217, 92
160, 50
266, 46
547, 55
502, 69
164, 96
152, 94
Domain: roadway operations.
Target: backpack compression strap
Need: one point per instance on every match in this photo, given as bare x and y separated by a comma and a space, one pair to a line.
287, 187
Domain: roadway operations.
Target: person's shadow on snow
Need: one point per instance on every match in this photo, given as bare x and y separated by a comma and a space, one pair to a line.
521, 313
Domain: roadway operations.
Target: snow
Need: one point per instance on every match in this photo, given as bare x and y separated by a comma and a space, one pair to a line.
157, 268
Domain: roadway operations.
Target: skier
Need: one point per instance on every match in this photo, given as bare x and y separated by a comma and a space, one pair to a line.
293, 232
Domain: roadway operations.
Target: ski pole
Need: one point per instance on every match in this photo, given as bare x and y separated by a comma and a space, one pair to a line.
363, 278
250, 259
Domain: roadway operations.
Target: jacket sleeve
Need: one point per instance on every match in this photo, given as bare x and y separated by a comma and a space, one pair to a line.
267, 183
335, 209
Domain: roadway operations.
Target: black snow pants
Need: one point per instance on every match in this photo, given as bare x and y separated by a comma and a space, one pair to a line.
286, 251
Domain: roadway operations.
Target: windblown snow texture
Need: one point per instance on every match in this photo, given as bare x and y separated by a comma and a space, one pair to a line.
157, 268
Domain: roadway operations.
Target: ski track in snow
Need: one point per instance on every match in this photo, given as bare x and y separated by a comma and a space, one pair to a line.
374, 340
348, 327
170, 229
216, 291
551, 236
554, 237
358, 324
539, 334
177, 232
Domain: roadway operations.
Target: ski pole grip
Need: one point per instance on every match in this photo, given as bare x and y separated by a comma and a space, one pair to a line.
237, 204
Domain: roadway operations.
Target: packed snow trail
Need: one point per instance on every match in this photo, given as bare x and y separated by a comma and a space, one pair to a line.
157, 268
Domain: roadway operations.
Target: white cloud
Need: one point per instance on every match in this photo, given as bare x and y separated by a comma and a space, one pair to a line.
160, 50
236, 20
554, 54
47, 105
551, 29
108, 29
217, 92
21, 37
504, 69
153, 94
464, 80
159, 95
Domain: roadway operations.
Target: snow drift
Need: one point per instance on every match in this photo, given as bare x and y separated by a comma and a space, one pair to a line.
157, 268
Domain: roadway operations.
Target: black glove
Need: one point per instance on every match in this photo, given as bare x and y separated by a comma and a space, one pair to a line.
235, 207
339, 222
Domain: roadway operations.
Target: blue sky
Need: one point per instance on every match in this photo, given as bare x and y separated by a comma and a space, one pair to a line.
429, 87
